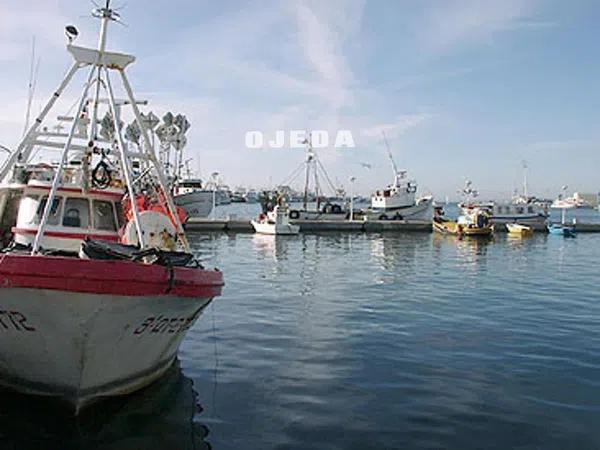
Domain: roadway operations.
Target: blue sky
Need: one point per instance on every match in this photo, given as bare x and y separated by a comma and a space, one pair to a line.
462, 88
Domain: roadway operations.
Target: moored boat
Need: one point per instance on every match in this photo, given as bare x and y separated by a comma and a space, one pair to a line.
275, 219
98, 287
195, 200
399, 201
474, 223
324, 209
561, 230
518, 229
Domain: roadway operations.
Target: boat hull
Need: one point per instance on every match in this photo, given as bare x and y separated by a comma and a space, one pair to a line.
195, 204
81, 330
421, 211
515, 229
561, 230
83, 347
275, 229
451, 227
525, 219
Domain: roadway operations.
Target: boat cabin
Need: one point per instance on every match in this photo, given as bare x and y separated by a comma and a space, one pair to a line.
401, 194
74, 216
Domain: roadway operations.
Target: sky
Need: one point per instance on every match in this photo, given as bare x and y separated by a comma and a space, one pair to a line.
463, 89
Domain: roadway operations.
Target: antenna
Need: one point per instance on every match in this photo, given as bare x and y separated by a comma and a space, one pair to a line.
525, 167
390, 155
33, 71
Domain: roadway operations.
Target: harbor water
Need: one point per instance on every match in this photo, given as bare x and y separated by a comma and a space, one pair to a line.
367, 341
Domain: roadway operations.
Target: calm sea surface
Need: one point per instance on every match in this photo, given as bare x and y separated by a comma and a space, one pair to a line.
356, 341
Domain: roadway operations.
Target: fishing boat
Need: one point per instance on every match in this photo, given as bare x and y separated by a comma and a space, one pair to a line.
189, 193
399, 201
323, 208
275, 218
275, 222
523, 208
475, 223
193, 198
98, 287
518, 229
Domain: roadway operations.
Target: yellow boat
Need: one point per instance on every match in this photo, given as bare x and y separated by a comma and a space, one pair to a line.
517, 229
475, 223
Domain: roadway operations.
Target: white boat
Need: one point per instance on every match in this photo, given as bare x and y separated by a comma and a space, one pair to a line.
193, 198
575, 201
107, 319
276, 222
518, 229
399, 201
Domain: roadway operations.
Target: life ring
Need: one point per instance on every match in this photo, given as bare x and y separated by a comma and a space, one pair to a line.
398, 216
101, 175
336, 209
294, 214
383, 217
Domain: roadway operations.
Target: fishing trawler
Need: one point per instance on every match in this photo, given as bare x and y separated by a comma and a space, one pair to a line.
523, 209
189, 192
323, 209
97, 285
399, 201
476, 222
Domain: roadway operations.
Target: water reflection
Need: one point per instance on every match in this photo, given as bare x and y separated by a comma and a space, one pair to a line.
269, 246
159, 417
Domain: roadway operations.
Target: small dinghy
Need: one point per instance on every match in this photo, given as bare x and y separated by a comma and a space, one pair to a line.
517, 229
275, 222
561, 230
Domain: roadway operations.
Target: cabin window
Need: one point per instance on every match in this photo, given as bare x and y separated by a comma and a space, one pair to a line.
520, 210
34, 209
530, 209
104, 216
77, 213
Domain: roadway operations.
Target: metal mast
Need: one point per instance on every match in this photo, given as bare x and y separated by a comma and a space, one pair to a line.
101, 62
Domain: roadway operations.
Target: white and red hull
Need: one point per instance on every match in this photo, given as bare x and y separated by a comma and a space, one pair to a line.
108, 329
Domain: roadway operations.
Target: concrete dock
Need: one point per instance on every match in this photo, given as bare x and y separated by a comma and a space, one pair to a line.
370, 226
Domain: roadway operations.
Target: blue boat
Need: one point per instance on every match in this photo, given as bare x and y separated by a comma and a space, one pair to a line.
560, 229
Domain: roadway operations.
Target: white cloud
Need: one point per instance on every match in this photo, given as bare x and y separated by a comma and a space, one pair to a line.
398, 127
473, 21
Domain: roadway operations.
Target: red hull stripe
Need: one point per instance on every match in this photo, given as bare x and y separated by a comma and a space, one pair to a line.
67, 235
103, 277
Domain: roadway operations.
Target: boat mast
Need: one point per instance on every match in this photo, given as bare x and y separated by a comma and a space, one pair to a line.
101, 62
105, 14
525, 167
389, 152
309, 158
33, 71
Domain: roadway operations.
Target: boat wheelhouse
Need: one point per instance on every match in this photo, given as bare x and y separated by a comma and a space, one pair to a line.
74, 216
